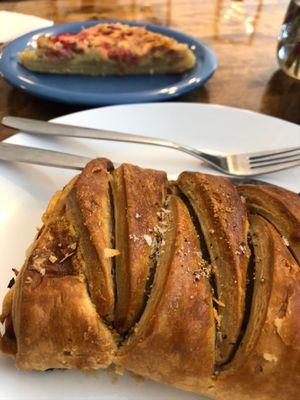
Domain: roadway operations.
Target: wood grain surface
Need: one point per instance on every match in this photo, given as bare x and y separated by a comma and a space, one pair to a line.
243, 34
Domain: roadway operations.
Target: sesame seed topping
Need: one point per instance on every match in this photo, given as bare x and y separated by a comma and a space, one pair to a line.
148, 239
52, 259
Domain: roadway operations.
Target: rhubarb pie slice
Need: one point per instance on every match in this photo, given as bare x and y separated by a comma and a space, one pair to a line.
109, 49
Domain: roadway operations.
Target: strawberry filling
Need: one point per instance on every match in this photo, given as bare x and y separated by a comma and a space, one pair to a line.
61, 54
65, 38
123, 55
125, 46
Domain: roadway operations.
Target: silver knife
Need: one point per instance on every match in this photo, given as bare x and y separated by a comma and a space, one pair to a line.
33, 155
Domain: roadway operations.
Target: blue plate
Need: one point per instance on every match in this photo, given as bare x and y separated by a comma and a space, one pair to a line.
93, 91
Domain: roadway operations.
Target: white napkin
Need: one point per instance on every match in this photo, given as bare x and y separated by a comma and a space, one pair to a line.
15, 24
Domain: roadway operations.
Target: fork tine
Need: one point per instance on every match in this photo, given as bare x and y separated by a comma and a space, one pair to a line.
276, 166
279, 159
273, 162
271, 153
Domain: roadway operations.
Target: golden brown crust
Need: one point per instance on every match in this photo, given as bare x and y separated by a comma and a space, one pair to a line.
8, 344
269, 369
279, 206
223, 220
89, 209
52, 314
138, 197
59, 327
54, 321
174, 340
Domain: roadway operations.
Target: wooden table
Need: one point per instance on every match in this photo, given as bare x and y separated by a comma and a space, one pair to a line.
247, 77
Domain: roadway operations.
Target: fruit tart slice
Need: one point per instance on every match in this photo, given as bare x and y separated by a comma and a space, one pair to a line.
109, 49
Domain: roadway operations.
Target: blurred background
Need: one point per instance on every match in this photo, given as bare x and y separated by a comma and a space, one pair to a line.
244, 35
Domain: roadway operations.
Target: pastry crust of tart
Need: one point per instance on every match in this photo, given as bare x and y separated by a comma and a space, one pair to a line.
266, 365
50, 319
89, 207
280, 207
174, 340
223, 220
138, 198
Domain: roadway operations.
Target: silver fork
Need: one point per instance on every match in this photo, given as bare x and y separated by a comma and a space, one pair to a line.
245, 164
50, 158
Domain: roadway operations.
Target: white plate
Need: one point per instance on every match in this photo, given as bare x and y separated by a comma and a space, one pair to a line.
25, 191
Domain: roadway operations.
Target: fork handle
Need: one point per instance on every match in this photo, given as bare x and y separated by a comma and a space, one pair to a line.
37, 127
54, 129
32, 155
